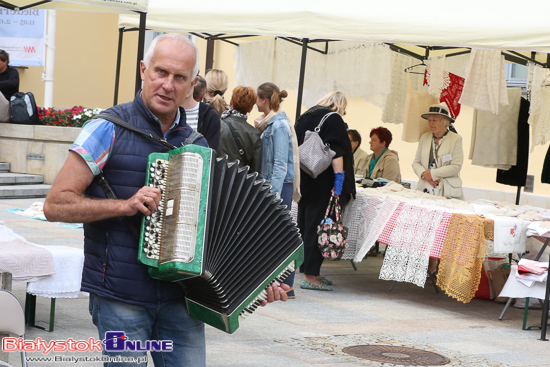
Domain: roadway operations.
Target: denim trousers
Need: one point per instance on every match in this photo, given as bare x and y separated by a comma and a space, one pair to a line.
286, 195
170, 322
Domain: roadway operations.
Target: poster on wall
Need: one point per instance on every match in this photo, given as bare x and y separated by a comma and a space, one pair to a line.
22, 36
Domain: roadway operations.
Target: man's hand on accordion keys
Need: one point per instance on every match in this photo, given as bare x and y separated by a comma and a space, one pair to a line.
146, 200
276, 293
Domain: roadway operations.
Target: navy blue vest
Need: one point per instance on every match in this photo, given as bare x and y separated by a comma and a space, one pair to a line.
111, 267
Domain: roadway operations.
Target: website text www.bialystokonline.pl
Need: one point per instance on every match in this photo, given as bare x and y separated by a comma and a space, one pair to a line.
115, 342
84, 359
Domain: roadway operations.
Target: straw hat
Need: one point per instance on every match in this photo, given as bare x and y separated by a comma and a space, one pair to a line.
438, 109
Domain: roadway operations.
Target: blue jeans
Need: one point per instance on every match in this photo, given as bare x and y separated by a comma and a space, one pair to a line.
286, 195
171, 322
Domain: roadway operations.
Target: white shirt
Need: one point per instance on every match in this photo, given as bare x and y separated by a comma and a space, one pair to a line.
192, 116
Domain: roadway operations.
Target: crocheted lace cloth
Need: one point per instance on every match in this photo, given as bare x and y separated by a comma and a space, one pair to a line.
496, 148
254, 62
26, 261
365, 218
485, 81
410, 244
394, 108
359, 69
462, 256
539, 114
436, 76
65, 283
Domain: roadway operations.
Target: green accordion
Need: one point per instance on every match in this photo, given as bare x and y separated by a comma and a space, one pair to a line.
219, 232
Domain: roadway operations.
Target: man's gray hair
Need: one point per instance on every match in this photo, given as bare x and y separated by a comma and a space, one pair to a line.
176, 37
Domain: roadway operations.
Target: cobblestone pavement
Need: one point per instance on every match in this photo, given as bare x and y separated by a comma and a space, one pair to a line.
314, 328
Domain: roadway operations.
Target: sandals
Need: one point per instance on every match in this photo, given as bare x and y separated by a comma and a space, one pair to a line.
372, 252
308, 285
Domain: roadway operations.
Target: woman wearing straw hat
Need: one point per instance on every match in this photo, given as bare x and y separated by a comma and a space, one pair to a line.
439, 155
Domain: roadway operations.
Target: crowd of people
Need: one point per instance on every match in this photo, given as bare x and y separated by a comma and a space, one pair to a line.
174, 102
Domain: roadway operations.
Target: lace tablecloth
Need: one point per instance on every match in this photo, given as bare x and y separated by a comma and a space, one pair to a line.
414, 231
65, 283
24, 260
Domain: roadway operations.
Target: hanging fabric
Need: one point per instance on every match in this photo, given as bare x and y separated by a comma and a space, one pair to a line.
485, 81
452, 92
538, 91
436, 77
416, 104
394, 109
254, 62
545, 176
517, 175
360, 69
494, 137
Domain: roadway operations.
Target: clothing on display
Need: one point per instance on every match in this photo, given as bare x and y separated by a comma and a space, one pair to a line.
485, 81
517, 175
496, 148
416, 104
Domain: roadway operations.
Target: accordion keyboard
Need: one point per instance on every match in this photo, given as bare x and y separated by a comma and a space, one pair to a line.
252, 306
153, 227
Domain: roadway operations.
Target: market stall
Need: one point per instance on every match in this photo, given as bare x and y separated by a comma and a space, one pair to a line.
417, 226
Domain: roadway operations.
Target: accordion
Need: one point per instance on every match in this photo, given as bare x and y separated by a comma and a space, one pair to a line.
219, 232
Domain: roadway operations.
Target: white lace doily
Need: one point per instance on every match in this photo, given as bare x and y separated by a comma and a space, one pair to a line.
394, 108
408, 253
437, 77
485, 81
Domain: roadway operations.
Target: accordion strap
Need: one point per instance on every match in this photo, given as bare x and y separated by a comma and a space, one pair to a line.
120, 122
102, 181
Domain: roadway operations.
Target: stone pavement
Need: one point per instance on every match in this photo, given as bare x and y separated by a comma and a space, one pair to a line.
314, 328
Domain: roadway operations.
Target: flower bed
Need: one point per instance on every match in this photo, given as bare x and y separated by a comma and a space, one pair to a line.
72, 117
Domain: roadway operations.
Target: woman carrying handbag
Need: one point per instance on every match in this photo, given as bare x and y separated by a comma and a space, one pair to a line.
278, 151
316, 192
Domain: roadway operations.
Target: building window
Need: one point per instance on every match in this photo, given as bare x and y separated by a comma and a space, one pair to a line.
516, 75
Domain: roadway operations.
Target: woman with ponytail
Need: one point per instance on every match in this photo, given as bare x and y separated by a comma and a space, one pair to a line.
216, 85
280, 163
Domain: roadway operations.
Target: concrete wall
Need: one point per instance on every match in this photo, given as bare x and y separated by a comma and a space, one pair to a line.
40, 150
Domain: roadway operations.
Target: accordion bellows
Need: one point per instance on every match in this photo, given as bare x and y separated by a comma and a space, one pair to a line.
219, 232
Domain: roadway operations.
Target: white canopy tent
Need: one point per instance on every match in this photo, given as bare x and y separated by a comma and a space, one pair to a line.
468, 23
103, 6
413, 28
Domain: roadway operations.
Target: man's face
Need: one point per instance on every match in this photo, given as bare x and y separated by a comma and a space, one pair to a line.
168, 79
3, 66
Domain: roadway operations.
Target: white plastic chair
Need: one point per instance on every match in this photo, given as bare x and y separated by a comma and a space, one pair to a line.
12, 318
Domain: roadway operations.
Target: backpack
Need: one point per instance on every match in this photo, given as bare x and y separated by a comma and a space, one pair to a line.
23, 109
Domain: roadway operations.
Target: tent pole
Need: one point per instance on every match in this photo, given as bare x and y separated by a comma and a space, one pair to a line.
209, 56
301, 80
49, 66
118, 62
141, 47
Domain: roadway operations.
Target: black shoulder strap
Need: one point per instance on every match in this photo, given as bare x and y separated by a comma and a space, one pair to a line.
102, 181
237, 141
120, 122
